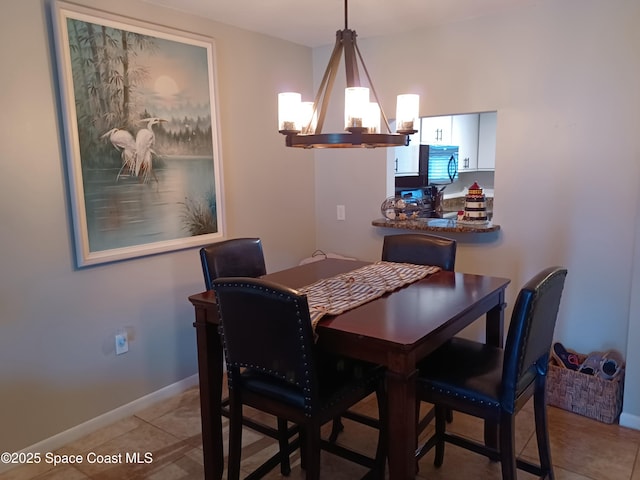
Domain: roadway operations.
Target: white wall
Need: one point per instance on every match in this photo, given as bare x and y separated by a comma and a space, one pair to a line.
57, 362
631, 417
563, 78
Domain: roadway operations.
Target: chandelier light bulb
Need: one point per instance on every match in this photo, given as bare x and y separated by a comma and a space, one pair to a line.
356, 104
372, 118
407, 112
309, 118
289, 110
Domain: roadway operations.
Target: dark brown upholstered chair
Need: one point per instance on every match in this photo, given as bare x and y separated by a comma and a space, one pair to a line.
274, 365
237, 257
420, 249
494, 383
243, 257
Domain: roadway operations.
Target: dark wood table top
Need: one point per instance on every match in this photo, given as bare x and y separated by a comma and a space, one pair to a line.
400, 319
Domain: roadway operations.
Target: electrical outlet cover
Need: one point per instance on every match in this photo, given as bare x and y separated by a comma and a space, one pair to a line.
122, 344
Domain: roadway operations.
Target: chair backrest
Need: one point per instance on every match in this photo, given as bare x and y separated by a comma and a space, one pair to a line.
237, 257
267, 327
420, 250
530, 336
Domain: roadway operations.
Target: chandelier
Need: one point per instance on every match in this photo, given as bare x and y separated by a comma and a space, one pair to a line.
302, 122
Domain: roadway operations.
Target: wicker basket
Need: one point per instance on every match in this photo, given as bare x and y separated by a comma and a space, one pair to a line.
584, 394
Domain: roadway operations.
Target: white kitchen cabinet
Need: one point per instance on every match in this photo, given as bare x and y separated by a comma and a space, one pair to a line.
406, 158
436, 130
465, 134
487, 141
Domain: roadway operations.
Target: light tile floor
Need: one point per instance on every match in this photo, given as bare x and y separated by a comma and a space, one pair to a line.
582, 449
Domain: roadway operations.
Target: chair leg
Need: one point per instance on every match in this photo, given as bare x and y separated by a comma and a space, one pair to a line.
418, 432
302, 432
423, 422
542, 429
336, 429
235, 438
383, 419
508, 447
441, 427
312, 451
283, 443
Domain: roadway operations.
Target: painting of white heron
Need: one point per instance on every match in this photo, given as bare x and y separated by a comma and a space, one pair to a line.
140, 128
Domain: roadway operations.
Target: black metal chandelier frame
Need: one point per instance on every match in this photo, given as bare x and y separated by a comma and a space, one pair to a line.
353, 137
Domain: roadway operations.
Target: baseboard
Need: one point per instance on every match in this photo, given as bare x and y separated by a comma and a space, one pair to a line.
71, 435
630, 421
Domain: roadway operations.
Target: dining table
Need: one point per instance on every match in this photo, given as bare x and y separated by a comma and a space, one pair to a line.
397, 330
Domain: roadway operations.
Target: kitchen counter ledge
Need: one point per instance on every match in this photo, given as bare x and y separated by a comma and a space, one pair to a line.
435, 225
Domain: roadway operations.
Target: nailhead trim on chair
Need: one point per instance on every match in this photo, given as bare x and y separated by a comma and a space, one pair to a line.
465, 397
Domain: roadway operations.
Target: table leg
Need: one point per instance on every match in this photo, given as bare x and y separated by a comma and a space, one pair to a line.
210, 376
401, 395
494, 336
495, 323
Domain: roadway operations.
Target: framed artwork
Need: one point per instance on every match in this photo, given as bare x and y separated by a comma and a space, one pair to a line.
141, 135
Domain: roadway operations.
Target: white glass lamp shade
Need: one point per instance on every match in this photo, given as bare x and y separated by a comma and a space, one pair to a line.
356, 103
372, 119
289, 109
308, 123
407, 112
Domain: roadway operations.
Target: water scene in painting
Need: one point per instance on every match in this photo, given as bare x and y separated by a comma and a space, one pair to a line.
129, 212
145, 133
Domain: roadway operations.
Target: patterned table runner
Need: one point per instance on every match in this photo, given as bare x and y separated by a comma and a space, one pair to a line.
335, 295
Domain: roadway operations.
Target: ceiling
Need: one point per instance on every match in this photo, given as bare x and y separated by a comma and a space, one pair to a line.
314, 23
